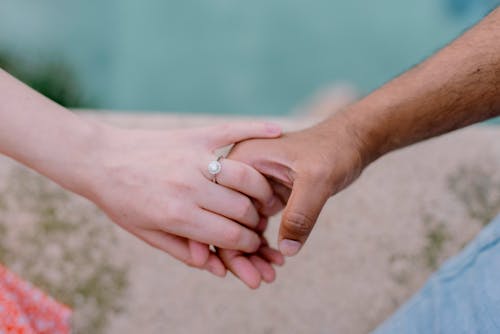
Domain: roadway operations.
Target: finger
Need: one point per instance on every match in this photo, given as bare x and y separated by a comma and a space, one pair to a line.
179, 248
281, 195
241, 267
276, 206
282, 192
261, 227
171, 244
267, 272
212, 229
215, 266
246, 180
303, 208
230, 133
228, 203
268, 157
271, 255
199, 253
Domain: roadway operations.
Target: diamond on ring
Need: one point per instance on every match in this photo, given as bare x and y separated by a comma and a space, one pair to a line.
214, 167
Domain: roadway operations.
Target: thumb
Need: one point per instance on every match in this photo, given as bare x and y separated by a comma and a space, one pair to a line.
300, 215
230, 133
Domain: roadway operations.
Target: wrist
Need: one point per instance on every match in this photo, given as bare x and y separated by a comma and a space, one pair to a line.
350, 133
368, 136
75, 164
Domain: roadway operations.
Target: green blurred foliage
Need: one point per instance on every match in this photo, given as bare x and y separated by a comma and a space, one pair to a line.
54, 79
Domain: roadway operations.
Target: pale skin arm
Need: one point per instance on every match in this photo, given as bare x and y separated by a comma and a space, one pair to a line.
153, 184
458, 86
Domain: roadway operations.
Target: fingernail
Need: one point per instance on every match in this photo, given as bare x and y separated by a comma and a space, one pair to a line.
273, 128
289, 247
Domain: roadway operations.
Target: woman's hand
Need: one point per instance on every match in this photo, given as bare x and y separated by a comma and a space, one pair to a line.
156, 186
257, 267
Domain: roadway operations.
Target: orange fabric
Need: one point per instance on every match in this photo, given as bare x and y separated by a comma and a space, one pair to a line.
26, 310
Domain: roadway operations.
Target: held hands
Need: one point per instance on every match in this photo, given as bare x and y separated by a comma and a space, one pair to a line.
307, 167
304, 169
156, 186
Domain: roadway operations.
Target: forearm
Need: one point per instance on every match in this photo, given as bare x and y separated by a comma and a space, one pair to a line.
457, 87
45, 136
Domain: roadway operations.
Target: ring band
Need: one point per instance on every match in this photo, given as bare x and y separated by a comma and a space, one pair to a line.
214, 168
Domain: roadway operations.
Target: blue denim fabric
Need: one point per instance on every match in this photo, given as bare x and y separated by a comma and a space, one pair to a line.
462, 297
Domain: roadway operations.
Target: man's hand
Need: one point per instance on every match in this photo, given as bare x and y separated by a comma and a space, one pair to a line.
458, 86
312, 164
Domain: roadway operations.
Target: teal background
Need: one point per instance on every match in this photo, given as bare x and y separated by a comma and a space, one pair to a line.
225, 56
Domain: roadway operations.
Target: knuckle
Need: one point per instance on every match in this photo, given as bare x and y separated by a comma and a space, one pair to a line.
298, 224
245, 208
181, 188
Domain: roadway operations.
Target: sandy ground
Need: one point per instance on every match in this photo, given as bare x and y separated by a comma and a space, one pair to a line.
372, 248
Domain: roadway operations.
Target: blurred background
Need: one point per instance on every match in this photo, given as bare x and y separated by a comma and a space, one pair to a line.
374, 245
225, 57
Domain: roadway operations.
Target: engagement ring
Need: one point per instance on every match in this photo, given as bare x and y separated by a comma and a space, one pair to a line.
214, 168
